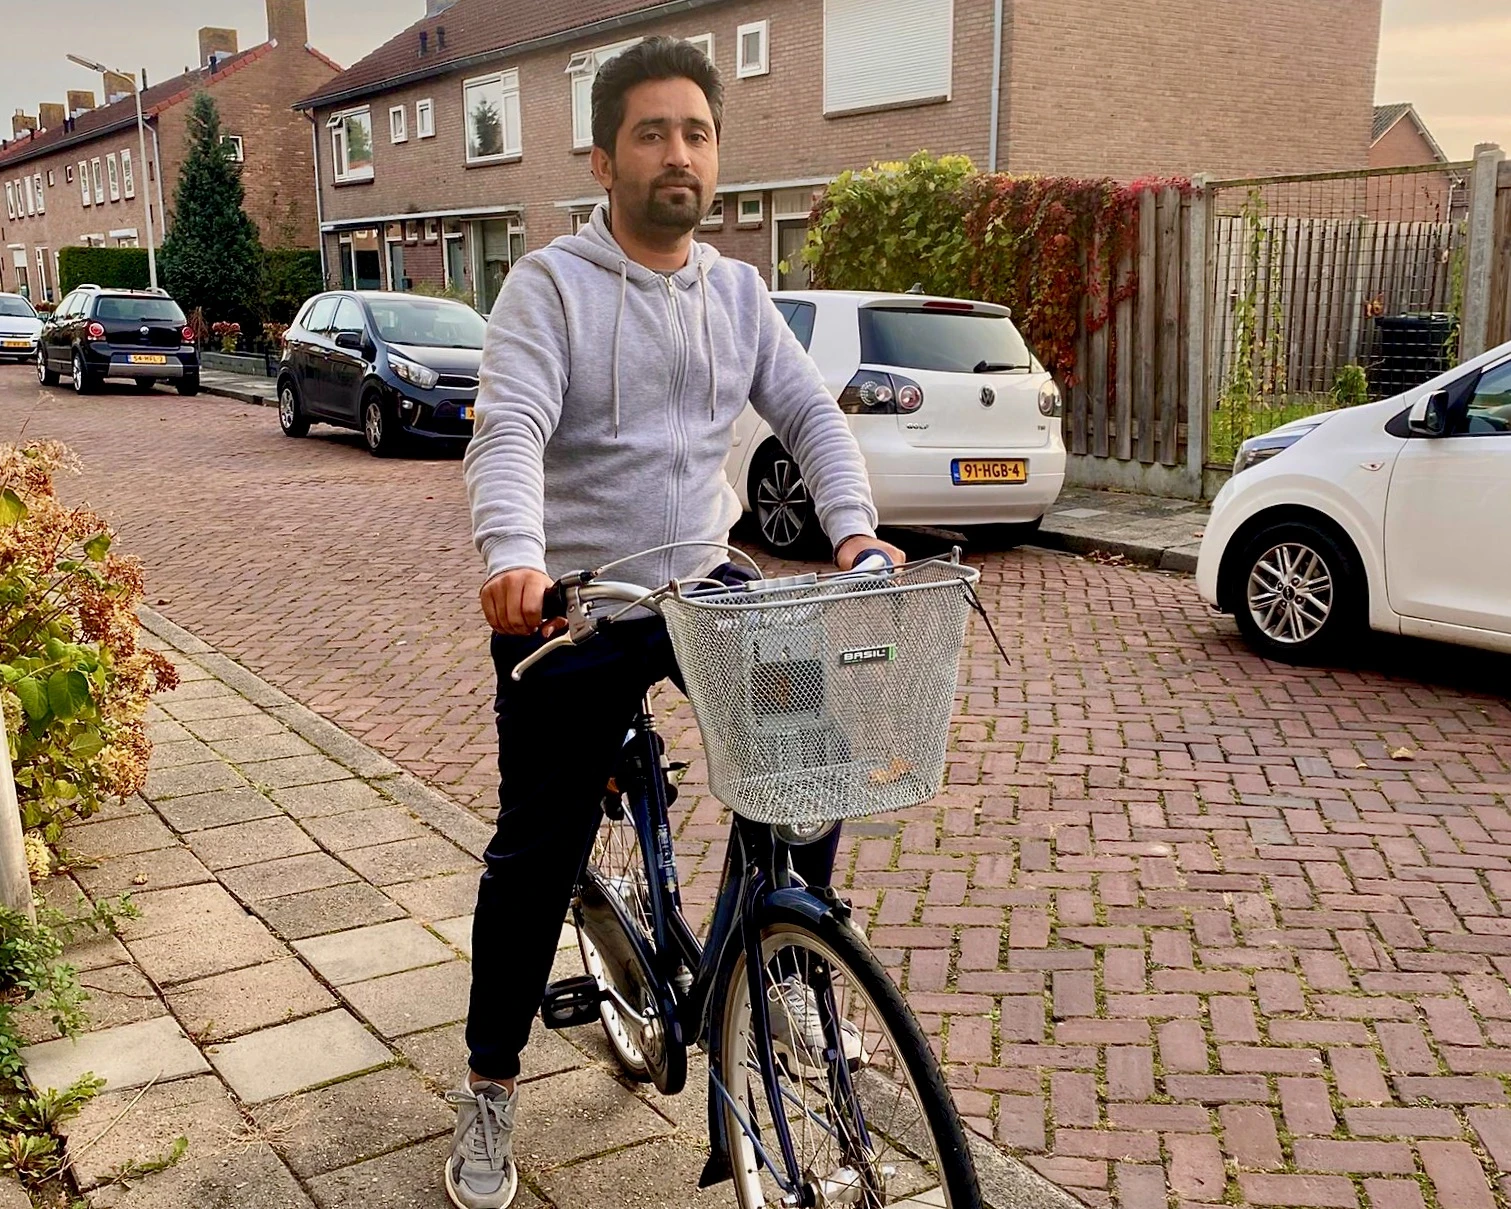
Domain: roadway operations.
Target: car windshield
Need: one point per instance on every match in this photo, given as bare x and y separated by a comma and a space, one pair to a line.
14, 304
432, 322
952, 342
128, 309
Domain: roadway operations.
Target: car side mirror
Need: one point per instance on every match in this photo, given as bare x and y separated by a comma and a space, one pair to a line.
351, 340
1429, 418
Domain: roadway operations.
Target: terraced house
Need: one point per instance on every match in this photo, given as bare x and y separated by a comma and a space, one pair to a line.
462, 142
76, 175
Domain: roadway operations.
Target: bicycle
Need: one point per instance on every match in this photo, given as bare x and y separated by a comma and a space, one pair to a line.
822, 1088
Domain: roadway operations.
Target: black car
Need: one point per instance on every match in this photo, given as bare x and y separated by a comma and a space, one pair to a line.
394, 366
100, 333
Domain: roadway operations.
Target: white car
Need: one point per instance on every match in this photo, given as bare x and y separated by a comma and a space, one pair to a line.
19, 328
1395, 515
958, 422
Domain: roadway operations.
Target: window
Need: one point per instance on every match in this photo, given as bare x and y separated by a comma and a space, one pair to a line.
31, 197
398, 124
132, 309
754, 49
886, 52
950, 342
411, 231
705, 43
41, 201
84, 181
352, 145
237, 153
583, 68
715, 215
750, 208
113, 171
1489, 411
799, 317
68, 176
44, 287
99, 181
424, 119
321, 314
348, 317
10, 200
580, 219
491, 104
432, 230
50, 181
128, 178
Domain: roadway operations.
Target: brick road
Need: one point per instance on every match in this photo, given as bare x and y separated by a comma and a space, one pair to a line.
1186, 925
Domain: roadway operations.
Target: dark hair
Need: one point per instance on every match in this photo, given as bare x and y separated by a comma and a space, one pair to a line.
659, 58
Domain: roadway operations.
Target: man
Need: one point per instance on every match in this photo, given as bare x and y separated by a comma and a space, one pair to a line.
615, 364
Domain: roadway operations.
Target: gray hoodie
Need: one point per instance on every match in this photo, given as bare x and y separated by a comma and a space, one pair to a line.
608, 395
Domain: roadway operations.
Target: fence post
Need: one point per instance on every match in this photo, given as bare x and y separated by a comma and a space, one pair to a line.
1196, 332
1474, 324
15, 877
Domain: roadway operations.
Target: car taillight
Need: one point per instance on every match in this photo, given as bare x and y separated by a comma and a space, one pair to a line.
874, 393
188, 334
96, 331
1049, 399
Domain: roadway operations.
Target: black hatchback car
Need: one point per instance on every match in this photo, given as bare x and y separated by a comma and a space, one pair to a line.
393, 366
100, 333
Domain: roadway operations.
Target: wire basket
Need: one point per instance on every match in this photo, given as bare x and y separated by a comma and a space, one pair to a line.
825, 697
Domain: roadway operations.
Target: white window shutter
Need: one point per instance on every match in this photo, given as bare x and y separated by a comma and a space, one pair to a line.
886, 52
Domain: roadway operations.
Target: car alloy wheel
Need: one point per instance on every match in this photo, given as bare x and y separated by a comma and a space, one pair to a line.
782, 505
1290, 593
80, 379
372, 424
286, 407
42, 367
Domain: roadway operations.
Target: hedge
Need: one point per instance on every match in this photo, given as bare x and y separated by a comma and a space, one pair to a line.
289, 276
118, 268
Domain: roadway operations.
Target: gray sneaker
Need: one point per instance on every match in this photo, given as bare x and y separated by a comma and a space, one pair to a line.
797, 1031
480, 1173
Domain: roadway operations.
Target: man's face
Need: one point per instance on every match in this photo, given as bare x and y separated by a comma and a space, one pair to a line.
665, 165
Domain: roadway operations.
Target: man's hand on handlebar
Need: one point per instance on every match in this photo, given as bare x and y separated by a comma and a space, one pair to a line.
512, 599
852, 548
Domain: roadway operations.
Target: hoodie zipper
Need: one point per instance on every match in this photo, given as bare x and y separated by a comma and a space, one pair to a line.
678, 427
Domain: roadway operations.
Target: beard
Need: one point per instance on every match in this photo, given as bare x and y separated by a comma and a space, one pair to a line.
666, 214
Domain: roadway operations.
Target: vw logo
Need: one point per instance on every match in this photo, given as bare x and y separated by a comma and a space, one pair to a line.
146, 331
988, 396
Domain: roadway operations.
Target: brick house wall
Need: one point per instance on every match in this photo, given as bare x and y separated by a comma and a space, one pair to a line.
1277, 85
1424, 198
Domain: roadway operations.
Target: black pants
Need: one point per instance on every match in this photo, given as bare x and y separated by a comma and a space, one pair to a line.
560, 731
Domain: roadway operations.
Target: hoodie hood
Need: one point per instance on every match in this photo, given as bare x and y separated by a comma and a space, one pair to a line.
596, 244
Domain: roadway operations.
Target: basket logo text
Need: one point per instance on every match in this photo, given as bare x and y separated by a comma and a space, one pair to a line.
867, 654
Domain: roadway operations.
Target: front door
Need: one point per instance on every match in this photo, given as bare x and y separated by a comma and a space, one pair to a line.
1447, 515
345, 367
497, 244
791, 272
309, 351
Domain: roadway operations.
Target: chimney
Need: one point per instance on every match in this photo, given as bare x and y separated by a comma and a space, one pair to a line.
21, 123
218, 43
434, 7
79, 102
117, 85
287, 23
50, 115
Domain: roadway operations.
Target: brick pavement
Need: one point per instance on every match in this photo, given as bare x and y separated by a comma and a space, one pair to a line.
1184, 924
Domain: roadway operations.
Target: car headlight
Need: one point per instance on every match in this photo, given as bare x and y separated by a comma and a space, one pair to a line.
1263, 448
415, 375
1050, 403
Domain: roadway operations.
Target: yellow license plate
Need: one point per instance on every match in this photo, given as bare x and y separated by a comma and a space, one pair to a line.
975, 472
466, 413
18, 344
147, 359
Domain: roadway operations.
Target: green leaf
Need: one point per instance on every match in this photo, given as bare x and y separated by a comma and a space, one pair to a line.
33, 696
98, 546
12, 508
68, 693
87, 744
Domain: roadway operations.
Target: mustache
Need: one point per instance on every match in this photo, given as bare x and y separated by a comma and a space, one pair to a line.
678, 179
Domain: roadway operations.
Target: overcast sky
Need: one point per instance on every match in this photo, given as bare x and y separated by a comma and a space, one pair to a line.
1452, 58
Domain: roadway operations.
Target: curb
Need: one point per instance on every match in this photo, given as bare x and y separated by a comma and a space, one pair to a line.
1160, 558
241, 396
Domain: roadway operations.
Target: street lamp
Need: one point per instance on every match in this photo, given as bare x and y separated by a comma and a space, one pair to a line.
141, 133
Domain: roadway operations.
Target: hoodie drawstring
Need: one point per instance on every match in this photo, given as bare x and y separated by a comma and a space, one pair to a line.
624, 285
708, 334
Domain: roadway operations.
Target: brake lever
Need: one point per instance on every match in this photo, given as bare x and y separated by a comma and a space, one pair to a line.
524, 665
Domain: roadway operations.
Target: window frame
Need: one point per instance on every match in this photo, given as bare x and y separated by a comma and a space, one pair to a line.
113, 176
708, 50
341, 170
708, 220
505, 91
760, 214
128, 174
10, 200
84, 182
238, 148
424, 128
809, 309
583, 68
31, 198
833, 108
432, 230
41, 201
51, 180
747, 70
398, 131
580, 219
97, 178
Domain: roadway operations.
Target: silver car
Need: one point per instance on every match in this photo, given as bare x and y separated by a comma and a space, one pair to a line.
19, 328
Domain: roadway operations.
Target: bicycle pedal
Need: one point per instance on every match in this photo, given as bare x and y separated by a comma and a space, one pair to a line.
571, 1002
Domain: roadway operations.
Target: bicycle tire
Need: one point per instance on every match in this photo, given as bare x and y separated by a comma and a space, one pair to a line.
848, 953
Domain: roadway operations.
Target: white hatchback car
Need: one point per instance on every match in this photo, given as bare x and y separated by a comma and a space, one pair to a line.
958, 422
19, 328
1392, 515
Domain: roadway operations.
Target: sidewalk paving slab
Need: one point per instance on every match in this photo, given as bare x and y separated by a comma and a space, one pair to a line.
414, 1000
126, 1056
371, 952
327, 909
293, 1057
227, 1005
286, 875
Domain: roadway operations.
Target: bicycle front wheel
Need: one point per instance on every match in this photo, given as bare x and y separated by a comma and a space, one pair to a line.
872, 1125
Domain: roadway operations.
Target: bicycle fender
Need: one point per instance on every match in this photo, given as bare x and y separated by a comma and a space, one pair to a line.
619, 943
811, 904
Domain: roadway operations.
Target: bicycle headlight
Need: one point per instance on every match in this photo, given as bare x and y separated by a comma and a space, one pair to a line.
416, 375
805, 833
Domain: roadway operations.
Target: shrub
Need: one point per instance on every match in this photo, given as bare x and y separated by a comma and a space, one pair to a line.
75, 682
289, 276
116, 268
1351, 387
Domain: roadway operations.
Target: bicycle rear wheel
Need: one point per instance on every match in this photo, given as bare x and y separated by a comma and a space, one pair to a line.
882, 1130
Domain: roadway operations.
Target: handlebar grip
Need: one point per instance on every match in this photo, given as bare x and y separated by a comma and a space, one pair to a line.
554, 603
